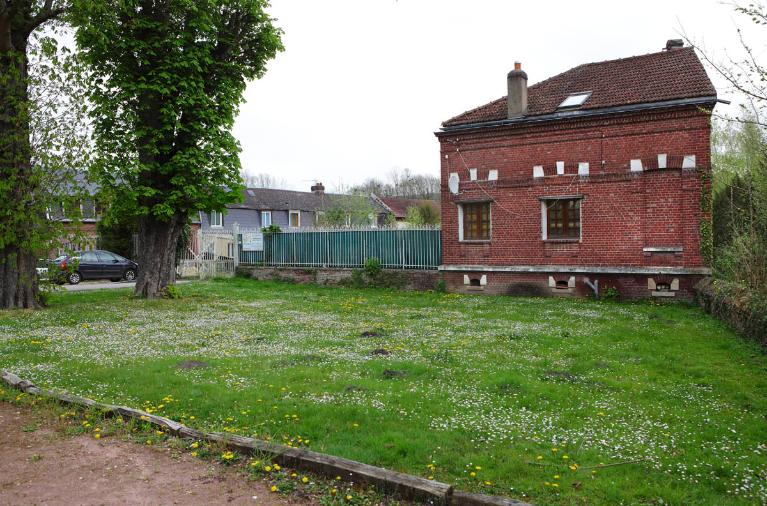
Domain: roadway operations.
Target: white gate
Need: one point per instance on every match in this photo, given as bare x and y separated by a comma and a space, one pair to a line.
210, 254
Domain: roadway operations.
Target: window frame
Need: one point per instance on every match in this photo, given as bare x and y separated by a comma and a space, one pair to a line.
266, 213
462, 221
290, 218
546, 208
220, 221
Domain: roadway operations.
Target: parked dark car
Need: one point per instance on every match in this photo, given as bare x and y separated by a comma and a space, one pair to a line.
98, 264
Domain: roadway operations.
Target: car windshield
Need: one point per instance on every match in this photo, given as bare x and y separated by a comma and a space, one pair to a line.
60, 258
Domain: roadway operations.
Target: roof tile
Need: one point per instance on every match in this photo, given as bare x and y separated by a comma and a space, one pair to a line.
654, 77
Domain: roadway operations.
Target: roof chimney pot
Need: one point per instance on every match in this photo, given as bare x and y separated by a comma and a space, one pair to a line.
516, 100
318, 188
673, 44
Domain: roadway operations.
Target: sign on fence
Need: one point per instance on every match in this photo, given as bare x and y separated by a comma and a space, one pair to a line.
252, 241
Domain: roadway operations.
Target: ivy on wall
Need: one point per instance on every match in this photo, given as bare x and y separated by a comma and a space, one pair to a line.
706, 230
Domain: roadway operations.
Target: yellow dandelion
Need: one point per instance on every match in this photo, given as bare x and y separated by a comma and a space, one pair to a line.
277, 467
274, 488
304, 480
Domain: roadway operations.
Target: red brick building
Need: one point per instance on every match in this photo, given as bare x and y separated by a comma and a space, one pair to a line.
597, 176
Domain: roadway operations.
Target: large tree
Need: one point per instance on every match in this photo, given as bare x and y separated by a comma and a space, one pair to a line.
168, 78
22, 200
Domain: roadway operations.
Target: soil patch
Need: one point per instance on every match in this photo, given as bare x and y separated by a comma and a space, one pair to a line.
46, 467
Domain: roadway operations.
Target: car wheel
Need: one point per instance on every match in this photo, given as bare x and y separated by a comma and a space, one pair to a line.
130, 275
74, 278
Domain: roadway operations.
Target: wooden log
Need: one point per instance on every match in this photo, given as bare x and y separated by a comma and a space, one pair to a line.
400, 484
467, 499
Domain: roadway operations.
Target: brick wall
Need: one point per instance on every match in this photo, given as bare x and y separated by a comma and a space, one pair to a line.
622, 212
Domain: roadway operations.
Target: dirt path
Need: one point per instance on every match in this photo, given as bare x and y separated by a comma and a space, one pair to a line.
40, 466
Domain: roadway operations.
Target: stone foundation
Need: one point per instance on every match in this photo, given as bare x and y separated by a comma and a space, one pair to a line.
559, 284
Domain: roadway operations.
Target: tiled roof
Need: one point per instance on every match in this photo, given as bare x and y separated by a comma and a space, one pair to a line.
654, 77
399, 205
269, 199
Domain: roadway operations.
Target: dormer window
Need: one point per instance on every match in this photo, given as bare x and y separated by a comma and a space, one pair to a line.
575, 100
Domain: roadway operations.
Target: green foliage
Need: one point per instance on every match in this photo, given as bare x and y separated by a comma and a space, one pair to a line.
116, 235
42, 143
740, 207
271, 230
348, 210
610, 293
167, 82
440, 287
372, 267
171, 292
424, 213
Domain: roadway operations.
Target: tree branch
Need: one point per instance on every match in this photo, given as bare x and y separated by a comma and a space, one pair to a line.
47, 13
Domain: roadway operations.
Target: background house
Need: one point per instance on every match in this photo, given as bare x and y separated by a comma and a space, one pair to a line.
290, 209
78, 211
399, 207
599, 173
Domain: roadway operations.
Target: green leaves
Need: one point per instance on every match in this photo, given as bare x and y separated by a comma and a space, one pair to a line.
170, 78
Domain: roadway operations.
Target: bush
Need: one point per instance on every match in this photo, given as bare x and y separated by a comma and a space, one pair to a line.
440, 287
610, 293
736, 305
171, 292
271, 230
373, 267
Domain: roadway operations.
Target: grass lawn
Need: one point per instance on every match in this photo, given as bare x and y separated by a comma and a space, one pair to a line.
557, 401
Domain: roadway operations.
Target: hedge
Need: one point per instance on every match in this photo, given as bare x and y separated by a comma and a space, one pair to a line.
742, 309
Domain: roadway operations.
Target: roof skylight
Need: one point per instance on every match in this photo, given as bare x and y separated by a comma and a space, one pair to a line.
575, 100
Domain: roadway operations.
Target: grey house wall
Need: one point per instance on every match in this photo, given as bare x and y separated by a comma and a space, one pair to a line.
247, 218
251, 218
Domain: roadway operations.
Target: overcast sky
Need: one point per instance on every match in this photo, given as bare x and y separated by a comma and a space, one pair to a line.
362, 85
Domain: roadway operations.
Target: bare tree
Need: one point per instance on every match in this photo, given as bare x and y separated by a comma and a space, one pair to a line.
401, 183
262, 180
744, 73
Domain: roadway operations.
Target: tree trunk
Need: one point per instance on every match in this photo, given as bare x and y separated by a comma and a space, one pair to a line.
18, 284
157, 255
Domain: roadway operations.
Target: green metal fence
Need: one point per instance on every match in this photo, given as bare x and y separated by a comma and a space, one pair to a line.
411, 248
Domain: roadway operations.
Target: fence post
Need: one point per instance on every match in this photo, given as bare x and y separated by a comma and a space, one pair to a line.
235, 247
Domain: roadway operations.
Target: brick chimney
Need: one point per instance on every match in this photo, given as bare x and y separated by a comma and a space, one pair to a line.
516, 100
673, 44
318, 188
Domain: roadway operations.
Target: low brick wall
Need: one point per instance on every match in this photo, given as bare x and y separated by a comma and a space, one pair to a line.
420, 280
